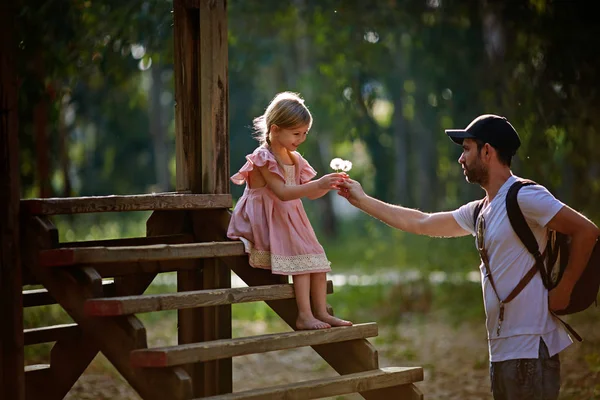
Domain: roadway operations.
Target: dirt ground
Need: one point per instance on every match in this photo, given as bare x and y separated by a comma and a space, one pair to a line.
454, 359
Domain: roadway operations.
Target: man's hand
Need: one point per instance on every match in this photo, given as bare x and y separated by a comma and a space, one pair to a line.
352, 191
559, 297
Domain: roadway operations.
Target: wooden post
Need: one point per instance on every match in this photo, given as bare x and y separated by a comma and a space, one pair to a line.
12, 375
202, 140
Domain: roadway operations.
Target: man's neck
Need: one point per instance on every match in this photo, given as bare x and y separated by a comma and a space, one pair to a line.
495, 182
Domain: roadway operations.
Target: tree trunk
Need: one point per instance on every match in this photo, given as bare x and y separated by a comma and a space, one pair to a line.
40, 118
12, 377
64, 150
158, 130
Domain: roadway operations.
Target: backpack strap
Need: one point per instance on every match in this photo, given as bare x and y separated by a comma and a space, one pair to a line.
521, 228
477, 211
523, 231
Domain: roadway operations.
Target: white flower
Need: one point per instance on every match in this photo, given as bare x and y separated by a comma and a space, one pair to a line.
336, 164
346, 166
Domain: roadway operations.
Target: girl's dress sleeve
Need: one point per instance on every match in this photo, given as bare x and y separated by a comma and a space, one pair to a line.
260, 157
306, 171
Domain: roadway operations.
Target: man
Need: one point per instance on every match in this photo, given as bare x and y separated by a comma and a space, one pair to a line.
524, 339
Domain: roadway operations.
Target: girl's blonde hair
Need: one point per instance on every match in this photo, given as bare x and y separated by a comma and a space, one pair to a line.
286, 110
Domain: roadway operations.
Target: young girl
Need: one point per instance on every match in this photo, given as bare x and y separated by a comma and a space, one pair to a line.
270, 219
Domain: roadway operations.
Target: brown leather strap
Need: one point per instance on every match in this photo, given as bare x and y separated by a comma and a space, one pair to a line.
569, 328
520, 286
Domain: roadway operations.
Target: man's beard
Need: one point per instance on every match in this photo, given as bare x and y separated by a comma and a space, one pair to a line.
476, 173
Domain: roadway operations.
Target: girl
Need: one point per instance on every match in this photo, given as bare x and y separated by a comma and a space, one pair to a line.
270, 219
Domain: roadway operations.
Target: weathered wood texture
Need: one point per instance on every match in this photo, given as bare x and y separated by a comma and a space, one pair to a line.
127, 254
330, 387
124, 305
116, 337
141, 202
135, 241
186, 33
51, 333
12, 381
218, 349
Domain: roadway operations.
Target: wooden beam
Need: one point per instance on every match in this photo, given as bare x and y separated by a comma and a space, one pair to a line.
226, 348
104, 307
51, 333
140, 202
202, 154
127, 254
332, 387
214, 96
12, 376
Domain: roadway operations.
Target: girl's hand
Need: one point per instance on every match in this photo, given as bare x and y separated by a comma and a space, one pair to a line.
331, 181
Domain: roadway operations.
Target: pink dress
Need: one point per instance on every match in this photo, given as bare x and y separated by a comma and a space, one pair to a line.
276, 234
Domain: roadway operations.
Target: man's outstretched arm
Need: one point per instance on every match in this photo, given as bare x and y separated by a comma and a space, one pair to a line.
441, 224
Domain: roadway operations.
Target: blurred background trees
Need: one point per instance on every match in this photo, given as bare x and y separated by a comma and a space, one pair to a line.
383, 79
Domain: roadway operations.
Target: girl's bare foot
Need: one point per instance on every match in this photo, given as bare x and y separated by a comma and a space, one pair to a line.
310, 323
333, 321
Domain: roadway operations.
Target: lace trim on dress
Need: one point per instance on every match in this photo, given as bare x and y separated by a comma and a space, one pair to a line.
289, 264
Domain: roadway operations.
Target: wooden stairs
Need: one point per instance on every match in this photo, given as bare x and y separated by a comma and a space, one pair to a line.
185, 233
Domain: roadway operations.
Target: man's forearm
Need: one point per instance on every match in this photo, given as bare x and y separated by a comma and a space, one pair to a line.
582, 244
405, 219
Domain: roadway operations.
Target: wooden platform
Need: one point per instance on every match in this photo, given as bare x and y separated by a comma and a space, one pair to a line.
329, 387
139, 202
218, 349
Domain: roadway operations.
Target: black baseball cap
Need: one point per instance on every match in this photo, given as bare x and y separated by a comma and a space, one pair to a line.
489, 128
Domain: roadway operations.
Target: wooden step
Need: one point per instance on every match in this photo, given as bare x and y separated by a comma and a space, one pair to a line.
48, 334
132, 254
133, 241
139, 202
104, 307
41, 297
329, 387
227, 348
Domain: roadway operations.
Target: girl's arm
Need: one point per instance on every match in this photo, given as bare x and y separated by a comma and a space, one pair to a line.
312, 190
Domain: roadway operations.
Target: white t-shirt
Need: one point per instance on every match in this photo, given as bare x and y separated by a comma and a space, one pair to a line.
526, 317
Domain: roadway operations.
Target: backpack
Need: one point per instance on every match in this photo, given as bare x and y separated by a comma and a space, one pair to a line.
553, 262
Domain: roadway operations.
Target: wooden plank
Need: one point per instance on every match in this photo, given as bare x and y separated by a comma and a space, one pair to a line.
12, 376
226, 348
124, 305
116, 337
51, 333
36, 367
41, 297
136, 241
127, 254
140, 202
329, 387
